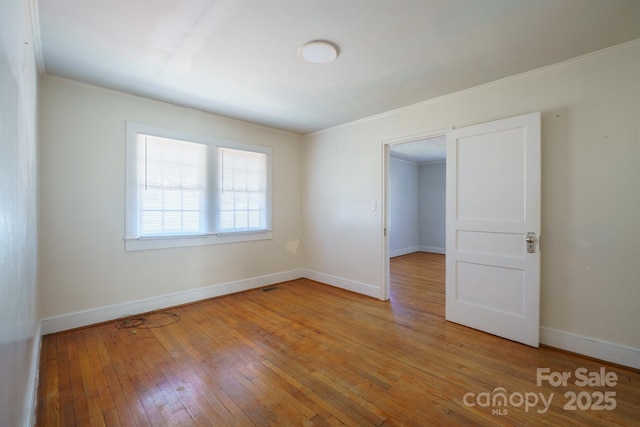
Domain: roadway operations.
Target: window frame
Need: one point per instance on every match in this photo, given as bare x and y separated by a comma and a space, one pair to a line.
135, 242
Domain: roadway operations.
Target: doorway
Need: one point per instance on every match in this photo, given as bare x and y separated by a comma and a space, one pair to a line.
492, 226
415, 185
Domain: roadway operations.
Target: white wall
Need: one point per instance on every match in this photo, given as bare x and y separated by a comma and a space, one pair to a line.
416, 207
432, 198
86, 275
342, 233
590, 190
403, 208
19, 330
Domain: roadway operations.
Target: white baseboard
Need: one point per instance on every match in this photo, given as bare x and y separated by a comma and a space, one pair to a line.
599, 349
32, 384
103, 314
339, 282
433, 250
410, 250
403, 251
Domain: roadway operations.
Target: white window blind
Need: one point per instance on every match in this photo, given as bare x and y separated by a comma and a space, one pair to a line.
171, 186
242, 190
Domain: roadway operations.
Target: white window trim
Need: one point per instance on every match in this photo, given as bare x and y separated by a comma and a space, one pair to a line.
135, 243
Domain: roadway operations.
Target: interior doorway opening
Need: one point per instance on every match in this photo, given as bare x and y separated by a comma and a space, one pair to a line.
415, 198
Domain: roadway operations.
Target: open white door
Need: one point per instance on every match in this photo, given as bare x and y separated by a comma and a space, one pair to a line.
493, 206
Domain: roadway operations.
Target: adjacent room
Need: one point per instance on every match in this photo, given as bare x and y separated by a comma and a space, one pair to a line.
417, 196
317, 213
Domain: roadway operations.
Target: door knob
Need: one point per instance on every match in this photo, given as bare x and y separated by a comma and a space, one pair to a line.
531, 242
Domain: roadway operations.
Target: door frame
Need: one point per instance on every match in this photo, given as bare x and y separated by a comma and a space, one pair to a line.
385, 291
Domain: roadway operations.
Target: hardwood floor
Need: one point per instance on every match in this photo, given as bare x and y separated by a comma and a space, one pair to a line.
307, 354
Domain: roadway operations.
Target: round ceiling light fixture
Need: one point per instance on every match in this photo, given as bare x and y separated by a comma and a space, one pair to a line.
318, 52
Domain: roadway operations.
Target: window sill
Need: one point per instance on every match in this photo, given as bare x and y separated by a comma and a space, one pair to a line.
142, 244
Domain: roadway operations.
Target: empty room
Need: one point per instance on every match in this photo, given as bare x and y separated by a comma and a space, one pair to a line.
319, 213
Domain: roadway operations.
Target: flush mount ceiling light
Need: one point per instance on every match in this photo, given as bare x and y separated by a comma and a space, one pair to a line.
318, 52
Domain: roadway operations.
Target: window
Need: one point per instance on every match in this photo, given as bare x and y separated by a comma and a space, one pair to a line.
171, 186
241, 190
184, 190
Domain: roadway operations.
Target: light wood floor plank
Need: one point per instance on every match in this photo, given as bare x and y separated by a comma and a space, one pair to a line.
308, 354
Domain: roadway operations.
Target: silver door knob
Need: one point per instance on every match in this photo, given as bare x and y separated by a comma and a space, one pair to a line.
531, 240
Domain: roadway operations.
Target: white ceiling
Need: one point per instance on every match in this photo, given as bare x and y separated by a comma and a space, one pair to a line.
239, 58
422, 151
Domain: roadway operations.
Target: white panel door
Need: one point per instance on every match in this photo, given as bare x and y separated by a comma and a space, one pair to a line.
493, 202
